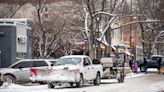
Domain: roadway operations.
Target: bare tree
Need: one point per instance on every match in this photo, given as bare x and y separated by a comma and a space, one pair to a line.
9, 8
54, 31
98, 16
151, 32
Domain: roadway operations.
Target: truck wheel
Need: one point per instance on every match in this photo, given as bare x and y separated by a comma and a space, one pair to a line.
121, 79
50, 85
81, 82
97, 80
9, 79
1, 83
142, 69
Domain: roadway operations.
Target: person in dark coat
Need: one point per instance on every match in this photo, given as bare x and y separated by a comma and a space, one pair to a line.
159, 64
130, 64
145, 65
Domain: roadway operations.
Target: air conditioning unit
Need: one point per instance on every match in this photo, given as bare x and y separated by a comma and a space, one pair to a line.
22, 39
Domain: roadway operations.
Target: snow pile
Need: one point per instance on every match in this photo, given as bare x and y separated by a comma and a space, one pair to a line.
132, 75
11, 86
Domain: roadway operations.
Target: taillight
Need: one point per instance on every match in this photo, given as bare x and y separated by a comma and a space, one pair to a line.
33, 72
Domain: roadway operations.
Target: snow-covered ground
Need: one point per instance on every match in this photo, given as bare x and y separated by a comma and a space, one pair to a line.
141, 82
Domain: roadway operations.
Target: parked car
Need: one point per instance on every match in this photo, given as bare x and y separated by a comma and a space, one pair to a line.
151, 63
73, 69
20, 71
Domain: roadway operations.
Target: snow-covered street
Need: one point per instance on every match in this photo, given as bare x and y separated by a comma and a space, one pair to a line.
151, 82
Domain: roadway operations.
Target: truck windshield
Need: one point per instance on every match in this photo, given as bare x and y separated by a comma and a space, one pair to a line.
64, 61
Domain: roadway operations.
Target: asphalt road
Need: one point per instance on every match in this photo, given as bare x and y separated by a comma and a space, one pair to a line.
151, 82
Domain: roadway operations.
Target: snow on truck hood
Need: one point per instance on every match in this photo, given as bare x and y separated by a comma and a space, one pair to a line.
69, 66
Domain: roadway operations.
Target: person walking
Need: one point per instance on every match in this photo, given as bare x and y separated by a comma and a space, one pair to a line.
135, 67
159, 64
130, 63
145, 65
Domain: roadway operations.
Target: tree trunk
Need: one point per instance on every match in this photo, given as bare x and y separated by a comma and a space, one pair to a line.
92, 42
108, 36
143, 44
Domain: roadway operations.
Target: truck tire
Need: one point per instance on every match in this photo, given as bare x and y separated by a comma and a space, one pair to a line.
97, 80
81, 82
1, 83
121, 79
9, 79
50, 85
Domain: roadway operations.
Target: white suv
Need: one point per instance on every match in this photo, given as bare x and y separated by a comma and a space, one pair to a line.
20, 71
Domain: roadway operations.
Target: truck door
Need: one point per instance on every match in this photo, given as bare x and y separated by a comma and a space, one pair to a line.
23, 70
87, 69
93, 69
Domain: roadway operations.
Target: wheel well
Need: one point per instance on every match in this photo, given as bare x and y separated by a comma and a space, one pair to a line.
10, 75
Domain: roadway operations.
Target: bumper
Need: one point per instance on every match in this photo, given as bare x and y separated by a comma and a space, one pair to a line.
55, 78
64, 79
